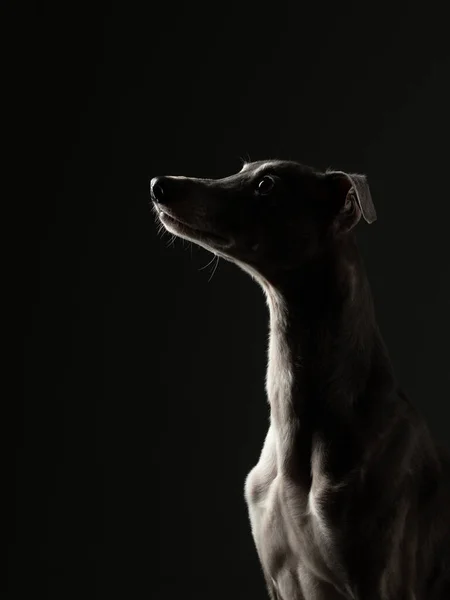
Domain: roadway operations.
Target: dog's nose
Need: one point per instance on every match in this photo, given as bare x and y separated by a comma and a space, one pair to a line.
157, 189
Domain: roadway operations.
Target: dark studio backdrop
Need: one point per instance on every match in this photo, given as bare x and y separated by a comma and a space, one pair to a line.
144, 404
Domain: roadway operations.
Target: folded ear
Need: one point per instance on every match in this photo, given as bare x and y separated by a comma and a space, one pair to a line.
354, 199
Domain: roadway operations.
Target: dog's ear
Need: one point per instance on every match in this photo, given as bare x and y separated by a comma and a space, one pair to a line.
352, 194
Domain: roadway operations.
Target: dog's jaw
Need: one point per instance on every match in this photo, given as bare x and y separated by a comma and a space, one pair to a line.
181, 228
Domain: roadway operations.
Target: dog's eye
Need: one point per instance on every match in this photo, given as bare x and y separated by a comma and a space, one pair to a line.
265, 186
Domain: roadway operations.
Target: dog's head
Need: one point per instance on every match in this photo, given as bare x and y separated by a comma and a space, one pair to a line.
271, 216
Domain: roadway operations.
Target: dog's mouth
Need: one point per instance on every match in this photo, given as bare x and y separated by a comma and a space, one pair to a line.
184, 229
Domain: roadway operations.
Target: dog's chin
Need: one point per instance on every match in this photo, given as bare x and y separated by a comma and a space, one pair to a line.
208, 239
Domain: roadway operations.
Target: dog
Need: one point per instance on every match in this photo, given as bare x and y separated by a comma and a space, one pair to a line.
350, 498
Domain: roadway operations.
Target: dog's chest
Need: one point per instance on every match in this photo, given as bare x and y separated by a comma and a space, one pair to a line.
293, 539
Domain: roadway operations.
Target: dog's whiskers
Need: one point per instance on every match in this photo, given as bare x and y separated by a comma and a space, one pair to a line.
207, 264
172, 240
245, 159
215, 267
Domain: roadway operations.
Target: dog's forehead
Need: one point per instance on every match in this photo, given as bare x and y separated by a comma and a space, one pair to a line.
259, 166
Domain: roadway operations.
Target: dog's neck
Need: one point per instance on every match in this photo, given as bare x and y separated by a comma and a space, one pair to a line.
324, 346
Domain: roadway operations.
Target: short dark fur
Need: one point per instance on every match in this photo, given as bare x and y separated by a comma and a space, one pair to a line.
388, 502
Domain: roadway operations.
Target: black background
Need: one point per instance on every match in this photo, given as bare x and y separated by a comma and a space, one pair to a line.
144, 404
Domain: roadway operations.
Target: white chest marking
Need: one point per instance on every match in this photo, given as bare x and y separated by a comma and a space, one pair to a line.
293, 540
319, 487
